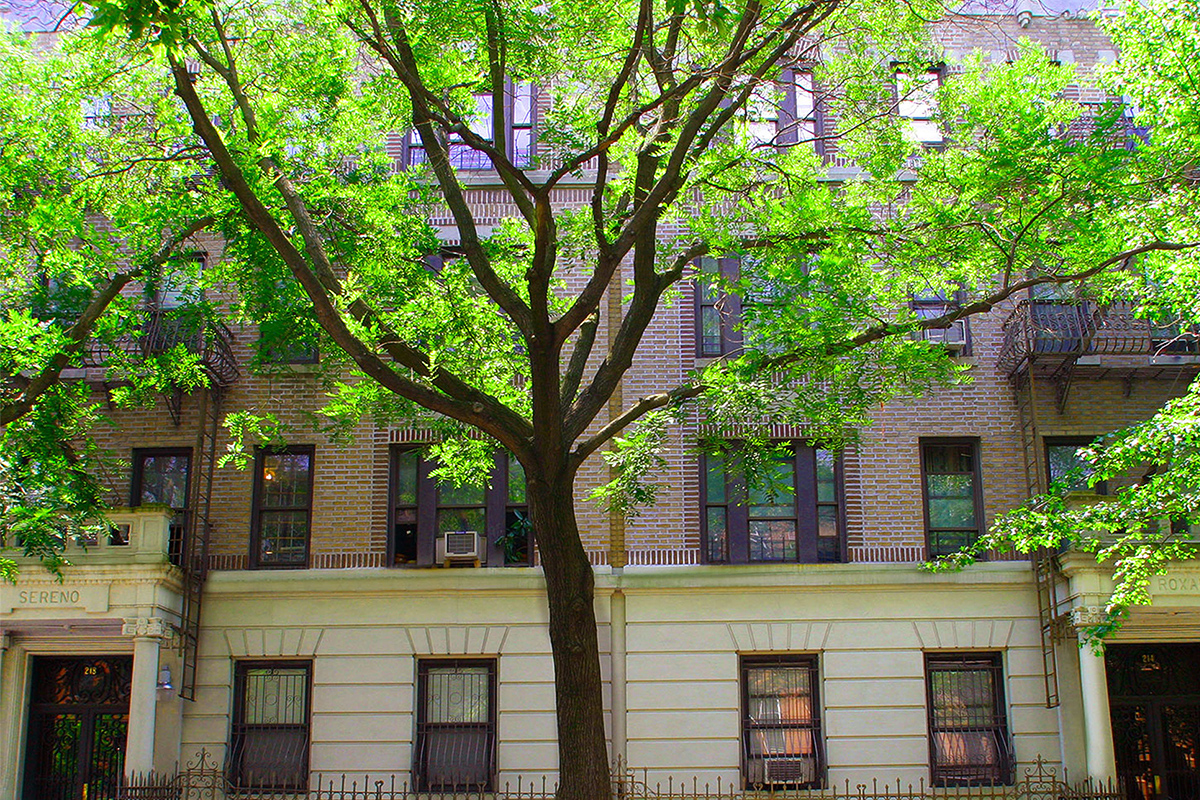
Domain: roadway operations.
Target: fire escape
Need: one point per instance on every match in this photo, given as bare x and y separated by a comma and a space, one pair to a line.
162, 331
1048, 345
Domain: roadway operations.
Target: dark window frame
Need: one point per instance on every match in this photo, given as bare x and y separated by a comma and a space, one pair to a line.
942, 304
1076, 442
422, 726
991, 662
412, 141
137, 475
238, 727
496, 510
257, 509
157, 300
809, 661
938, 69
805, 502
976, 485
179, 522
727, 306
787, 119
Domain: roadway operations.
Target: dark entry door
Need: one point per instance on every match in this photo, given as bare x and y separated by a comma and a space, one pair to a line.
78, 718
1154, 692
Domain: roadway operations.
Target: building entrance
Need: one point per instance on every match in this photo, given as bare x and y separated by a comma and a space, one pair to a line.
78, 718
1154, 694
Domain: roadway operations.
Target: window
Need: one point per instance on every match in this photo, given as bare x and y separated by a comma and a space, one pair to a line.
1173, 337
784, 112
781, 722
493, 522
968, 728
179, 283
282, 511
160, 476
456, 724
917, 104
953, 501
803, 525
519, 112
956, 336
269, 741
718, 313
1062, 458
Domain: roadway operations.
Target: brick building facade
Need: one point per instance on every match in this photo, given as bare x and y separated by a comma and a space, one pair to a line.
859, 665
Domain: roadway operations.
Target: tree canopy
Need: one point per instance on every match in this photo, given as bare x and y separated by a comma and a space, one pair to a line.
267, 122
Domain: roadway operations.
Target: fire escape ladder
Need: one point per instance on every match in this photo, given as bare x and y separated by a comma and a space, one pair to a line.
195, 556
1045, 567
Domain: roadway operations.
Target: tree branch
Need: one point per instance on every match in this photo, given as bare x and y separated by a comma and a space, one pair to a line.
78, 334
448, 395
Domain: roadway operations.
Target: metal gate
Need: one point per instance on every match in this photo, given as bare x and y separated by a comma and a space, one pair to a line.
78, 718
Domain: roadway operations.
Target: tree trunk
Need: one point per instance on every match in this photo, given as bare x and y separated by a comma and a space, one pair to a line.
582, 749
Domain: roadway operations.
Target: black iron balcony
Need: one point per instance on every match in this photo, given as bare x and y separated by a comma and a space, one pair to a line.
165, 329
1049, 335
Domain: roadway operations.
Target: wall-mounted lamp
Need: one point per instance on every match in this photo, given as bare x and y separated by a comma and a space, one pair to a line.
164, 677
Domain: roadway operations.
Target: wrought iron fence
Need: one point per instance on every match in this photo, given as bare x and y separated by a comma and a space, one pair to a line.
205, 779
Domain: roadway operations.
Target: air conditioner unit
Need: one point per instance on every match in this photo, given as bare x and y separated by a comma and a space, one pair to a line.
458, 547
952, 338
789, 770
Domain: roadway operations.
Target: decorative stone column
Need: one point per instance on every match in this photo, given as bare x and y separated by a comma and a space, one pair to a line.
147, 633
1093, 684
617, 677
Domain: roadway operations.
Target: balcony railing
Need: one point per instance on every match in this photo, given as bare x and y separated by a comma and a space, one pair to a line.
165, 329
1054, 332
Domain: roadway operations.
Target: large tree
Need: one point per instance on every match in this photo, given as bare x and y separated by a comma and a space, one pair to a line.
654, 109
1153, 517
76, 236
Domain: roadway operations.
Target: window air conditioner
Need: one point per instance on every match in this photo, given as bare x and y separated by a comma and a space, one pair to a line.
458, 546
952, 338
793, 770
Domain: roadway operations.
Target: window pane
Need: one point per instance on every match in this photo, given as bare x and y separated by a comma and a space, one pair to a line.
714, 480
951, 485
826, 477
276, 697
460, 519
516, 481
406, 478
949, 458
164, 480
963, 698
916, 95
285, 480
827, 522
450, 495
522, 154
943, 543
772, 540
283, 537
779, 503
951, 513
1064, 458
805, 96
710, 330
481, 120
717, 534
457, 694
522, 104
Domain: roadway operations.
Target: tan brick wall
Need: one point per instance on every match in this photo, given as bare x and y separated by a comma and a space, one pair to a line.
883, 499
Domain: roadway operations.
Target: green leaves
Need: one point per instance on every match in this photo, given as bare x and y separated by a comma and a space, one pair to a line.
160, 20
